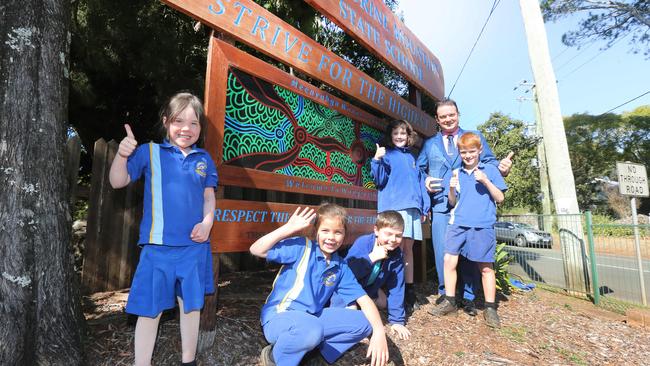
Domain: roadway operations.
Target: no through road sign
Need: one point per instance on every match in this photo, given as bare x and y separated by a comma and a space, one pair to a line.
632, 179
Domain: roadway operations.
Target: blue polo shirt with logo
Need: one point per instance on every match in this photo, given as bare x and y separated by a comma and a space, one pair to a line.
474, 204
306, 281
390, 277
173, 191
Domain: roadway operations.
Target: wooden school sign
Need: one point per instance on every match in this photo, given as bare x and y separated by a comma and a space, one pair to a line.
255, 26
378, 29
270, 130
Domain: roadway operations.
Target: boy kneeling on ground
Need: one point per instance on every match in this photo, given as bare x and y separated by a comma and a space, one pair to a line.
377, 262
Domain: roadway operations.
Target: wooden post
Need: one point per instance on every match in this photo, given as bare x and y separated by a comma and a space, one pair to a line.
113, 246
419, 247
91, 274
208, 322
133, 201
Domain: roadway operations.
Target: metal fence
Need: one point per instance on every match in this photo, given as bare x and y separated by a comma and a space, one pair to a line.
621, 262
608, 263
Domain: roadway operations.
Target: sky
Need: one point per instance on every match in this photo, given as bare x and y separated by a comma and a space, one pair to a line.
590, 80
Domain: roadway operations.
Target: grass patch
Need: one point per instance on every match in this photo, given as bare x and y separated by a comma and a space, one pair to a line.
459, 354
617, 306
574, 357
515, 333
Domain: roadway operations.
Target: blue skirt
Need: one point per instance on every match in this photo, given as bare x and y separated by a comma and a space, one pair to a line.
167, 272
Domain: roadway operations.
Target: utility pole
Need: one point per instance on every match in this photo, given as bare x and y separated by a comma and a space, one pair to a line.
557, 152
543, 172
547, 221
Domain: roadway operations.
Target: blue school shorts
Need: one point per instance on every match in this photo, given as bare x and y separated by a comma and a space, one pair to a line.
475, 244
165, 272
412, 223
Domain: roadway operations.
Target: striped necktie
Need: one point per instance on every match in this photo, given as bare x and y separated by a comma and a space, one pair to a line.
451, 146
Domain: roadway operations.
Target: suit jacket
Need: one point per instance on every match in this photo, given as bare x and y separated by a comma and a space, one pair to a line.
434, 161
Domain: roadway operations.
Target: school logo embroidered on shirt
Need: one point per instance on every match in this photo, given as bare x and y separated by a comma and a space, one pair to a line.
201, 167
330, 279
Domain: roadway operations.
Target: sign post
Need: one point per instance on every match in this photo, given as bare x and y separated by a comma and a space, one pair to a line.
633, 182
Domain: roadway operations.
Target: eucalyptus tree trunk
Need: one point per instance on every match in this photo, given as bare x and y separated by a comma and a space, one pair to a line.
40, 314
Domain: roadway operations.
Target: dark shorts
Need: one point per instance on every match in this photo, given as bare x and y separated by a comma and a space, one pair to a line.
167, 272
475, 244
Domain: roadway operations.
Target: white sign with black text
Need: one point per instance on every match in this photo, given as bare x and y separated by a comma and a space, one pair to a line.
632, 179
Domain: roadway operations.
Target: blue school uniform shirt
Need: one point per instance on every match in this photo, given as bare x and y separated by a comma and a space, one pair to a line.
399, 181
475, 207
435, 162
173, 191
391, 275
305, 281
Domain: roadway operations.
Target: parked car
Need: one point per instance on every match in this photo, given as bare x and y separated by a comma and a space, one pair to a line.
522, 235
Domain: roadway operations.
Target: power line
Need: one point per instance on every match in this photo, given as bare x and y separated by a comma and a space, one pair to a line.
581, 65
560, 54
494, 6
574, 56
590, 59
629, 101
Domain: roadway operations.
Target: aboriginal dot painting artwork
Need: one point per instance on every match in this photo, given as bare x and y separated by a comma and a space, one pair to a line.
272, 129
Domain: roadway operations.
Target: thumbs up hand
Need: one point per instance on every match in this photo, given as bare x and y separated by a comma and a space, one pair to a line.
379, 252
480, 176
381, 151
506, 164
128, 144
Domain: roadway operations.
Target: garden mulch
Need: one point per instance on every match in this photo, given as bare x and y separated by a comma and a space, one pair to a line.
538, 328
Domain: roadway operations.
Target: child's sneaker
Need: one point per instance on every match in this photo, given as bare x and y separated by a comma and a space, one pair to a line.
491, 318
469, 307
411, 302
445, 307
267, 356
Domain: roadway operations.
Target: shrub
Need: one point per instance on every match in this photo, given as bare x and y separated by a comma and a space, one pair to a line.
501, 261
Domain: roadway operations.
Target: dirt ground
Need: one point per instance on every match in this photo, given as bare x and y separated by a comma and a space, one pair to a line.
538, 328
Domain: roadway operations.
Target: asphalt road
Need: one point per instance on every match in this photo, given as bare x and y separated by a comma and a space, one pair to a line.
618, 276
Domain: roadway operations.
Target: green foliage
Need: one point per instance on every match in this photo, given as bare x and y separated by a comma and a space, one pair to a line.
294, 12
596, 143
516, 333
605, 20
606, 226
333, 38
503, 135
501, 262
80, 210
127, 57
